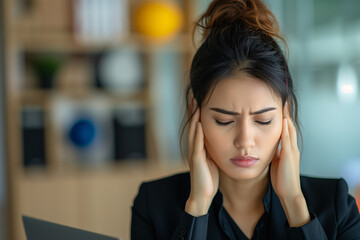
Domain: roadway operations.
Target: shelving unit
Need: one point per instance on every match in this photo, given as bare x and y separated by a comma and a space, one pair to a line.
96, 197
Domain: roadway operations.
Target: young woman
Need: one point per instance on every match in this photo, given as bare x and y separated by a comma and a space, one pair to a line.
241, 184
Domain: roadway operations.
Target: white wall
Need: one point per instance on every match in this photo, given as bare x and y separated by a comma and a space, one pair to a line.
331, 128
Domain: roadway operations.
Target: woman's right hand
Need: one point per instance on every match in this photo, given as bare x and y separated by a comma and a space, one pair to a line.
204, 173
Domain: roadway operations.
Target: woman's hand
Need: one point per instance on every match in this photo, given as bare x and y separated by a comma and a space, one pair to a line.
285, 167
285, 175
204, 173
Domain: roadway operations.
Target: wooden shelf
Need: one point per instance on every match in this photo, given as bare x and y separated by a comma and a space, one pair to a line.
108, 167
66, 42
97, 196
42, 96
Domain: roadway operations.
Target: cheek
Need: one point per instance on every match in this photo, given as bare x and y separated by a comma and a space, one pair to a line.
214, 138
274, 135
269, 134
210, 133
207, 126
277, 130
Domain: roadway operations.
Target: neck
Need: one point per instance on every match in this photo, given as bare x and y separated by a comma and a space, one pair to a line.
243, 195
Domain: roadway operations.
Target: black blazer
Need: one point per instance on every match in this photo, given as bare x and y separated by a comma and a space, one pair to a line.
158, 213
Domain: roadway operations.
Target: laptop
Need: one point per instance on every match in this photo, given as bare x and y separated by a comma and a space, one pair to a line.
37, 229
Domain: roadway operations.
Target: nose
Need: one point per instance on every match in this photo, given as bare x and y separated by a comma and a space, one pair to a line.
244, 138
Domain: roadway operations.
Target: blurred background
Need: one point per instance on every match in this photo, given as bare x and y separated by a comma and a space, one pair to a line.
92, 93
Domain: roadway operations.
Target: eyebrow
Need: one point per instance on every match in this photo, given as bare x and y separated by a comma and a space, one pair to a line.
220, 110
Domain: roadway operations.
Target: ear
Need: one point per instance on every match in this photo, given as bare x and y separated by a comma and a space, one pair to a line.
192, 103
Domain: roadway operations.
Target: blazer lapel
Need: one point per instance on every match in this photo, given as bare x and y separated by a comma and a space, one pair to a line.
277, 218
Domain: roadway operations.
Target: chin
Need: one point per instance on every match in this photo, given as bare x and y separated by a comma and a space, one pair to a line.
250, 173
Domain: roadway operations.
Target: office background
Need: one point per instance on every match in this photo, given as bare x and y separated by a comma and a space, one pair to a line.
324, 58
3, 189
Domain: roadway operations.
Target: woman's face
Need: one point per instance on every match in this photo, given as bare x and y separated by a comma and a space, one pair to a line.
242, 125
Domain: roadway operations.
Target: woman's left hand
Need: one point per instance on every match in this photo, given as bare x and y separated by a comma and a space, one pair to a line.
285, 166
285, 175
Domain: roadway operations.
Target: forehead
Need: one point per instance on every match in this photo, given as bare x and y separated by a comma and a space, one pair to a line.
241, 91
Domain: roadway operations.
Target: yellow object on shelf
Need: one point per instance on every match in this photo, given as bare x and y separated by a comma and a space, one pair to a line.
158, 21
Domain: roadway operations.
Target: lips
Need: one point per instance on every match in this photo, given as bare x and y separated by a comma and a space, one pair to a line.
245, 158
244, 161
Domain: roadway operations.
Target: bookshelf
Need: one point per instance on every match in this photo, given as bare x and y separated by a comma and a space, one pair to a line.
61, 185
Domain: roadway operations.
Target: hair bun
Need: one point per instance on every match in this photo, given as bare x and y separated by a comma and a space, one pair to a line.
221, 14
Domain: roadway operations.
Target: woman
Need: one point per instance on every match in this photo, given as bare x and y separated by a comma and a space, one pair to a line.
241, 184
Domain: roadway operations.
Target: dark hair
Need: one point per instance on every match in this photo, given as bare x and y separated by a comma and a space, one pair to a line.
239, 36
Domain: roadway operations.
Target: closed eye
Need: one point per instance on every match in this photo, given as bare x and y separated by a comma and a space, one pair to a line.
264, 123
227, 123
223, 123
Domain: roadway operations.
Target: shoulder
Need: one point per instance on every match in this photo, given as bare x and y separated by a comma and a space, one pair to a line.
159, 205
315, 187
335, 208
177, 180
325, 193
177, 184
162, 201
315, 183
323, 185
166, 190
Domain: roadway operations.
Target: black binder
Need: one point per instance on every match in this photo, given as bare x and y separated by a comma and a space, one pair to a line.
33, 135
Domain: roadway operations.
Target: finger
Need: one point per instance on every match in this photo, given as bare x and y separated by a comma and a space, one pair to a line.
291, 126
289, 134
286, 110
198, 152
285, 138
292, 134
192, 128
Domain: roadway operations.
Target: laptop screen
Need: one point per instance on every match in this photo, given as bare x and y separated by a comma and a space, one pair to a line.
37, 229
